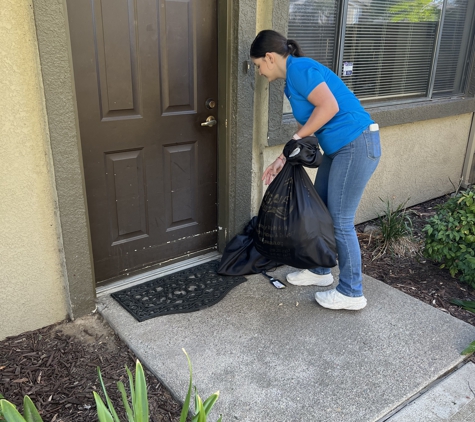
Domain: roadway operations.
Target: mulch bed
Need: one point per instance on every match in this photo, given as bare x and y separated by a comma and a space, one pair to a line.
56, 365
414, 274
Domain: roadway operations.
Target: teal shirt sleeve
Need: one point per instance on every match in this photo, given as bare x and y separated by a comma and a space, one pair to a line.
304, 79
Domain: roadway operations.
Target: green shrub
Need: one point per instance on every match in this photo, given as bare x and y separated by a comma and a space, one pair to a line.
394, 224
450, 236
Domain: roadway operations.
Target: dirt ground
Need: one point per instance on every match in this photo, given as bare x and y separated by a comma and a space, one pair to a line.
56, 365
412, 273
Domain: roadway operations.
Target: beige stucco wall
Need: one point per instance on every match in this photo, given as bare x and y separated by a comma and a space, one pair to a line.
420, 161
31, 277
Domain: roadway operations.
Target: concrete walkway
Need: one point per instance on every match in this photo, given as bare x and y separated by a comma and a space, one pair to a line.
275, 355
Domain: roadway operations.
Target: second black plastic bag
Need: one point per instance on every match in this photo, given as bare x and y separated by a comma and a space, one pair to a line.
294, 226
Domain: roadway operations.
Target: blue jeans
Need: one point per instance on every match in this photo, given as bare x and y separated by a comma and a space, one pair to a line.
340, 182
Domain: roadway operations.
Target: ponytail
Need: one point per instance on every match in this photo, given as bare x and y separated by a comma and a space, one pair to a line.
294, 48
269, 41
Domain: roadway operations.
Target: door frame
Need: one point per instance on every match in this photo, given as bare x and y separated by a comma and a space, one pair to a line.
58, 82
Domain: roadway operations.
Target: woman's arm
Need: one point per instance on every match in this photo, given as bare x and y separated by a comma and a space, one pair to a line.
326, 107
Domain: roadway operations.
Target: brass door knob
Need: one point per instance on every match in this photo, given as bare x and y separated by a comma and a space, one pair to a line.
210, 121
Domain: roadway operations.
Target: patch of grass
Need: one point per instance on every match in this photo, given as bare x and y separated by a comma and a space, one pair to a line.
395, 226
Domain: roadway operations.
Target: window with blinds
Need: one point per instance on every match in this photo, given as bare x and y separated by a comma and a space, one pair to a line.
390, 49
313, 24
455, 41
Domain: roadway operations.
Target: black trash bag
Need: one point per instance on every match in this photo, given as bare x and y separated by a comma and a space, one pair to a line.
294, 226
240, 256
305, 151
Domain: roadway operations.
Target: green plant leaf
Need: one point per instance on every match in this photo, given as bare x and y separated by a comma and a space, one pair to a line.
197, 411
108, 400
210, 401
9, 412
470, 349
200, 411
131, 386
141, 399
468, 305
29, 411
186, 404
128, 410
102, 413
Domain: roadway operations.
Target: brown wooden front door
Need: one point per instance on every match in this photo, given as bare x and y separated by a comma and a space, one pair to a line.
145, 72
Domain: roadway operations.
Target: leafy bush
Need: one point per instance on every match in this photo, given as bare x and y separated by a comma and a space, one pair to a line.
450, 236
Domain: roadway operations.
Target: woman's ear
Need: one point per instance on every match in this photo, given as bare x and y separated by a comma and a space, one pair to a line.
270, 58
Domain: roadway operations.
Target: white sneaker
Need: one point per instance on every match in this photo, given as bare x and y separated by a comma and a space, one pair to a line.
307, 278
333, 299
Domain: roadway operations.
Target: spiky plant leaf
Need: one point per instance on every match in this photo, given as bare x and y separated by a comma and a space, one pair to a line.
141, 399
210, 401
108, 400
102, 412
128, 410
9, 412
30, 412
186, 404
468, 305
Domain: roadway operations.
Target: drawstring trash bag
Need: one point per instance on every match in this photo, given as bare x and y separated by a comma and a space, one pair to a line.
305, 152
294, 226
240, 256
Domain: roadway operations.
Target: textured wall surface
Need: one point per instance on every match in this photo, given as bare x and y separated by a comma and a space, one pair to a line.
240, 124
56, 68
419, 162
31, 281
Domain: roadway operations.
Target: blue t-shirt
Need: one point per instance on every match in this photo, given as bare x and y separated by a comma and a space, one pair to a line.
303, 76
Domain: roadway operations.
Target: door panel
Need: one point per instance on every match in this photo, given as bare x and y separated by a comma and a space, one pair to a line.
143, 72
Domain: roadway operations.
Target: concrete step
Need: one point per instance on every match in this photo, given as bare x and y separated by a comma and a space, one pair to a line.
276, 355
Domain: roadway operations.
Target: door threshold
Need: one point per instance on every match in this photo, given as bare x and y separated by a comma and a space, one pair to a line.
156, 273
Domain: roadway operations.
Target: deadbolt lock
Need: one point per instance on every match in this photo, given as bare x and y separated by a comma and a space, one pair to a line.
210, 103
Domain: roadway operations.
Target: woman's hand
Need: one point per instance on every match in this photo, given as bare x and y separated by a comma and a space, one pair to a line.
273, 170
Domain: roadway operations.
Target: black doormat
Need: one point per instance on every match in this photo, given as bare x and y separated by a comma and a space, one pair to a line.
185, 291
